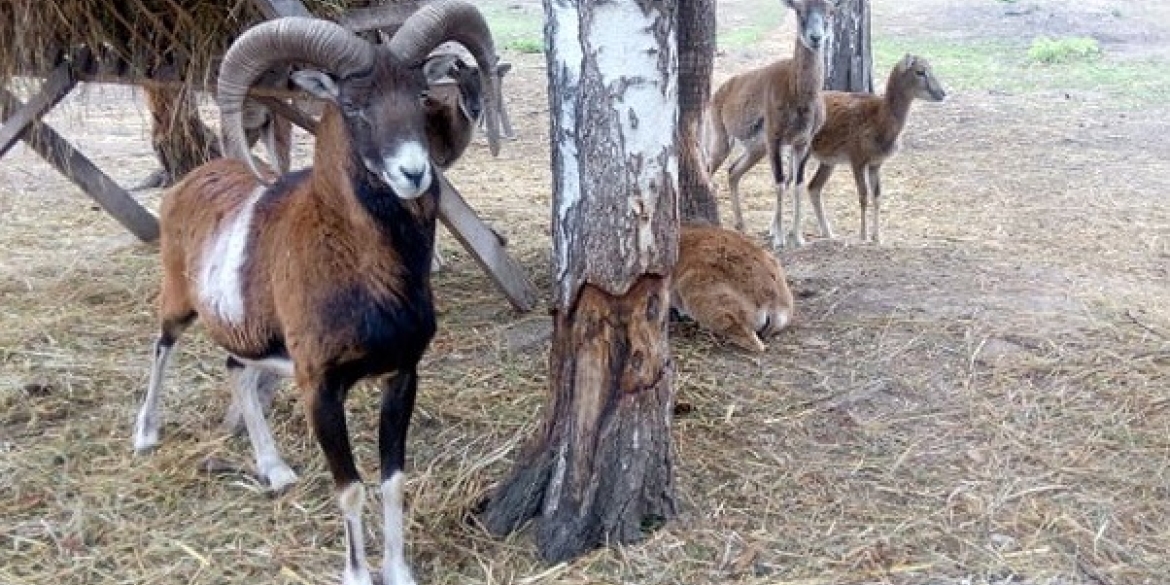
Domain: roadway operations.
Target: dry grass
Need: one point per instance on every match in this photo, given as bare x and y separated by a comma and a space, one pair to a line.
982, 399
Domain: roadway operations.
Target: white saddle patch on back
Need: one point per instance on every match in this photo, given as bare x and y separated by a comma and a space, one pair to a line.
220, 281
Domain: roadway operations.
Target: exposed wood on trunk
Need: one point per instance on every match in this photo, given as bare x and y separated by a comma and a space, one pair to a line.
848, 54
601, 468
600, 471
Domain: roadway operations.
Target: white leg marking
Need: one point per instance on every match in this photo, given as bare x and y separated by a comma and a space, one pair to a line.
350, 499
149, 422
269, 465
395, 571
220, 282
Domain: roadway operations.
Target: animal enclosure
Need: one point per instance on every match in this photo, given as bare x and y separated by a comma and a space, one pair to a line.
980, 399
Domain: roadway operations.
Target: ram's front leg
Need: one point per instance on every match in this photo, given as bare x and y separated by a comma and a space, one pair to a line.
325, 408
397, 403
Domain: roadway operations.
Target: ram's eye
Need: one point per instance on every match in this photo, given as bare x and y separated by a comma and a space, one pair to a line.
920, 73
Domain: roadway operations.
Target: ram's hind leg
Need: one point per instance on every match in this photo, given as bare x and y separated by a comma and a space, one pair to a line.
175, 315
247, 384
268, 383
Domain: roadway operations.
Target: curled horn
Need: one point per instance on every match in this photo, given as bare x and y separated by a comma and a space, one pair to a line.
455, 20
320, 43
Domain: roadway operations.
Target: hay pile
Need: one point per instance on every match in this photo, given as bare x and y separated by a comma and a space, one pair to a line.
184, 34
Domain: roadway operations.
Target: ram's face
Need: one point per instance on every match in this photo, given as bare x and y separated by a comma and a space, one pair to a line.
385, 117
383, 111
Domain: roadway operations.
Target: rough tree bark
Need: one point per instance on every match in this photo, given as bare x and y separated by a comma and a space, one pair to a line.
696, 57
180, 139
600, 470
848, 55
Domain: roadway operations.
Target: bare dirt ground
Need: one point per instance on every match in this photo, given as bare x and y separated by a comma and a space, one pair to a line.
981, 399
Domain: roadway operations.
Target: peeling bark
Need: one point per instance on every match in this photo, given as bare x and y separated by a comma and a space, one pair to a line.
601, 468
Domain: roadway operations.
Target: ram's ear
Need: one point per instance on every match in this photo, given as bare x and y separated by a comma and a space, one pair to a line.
319, 84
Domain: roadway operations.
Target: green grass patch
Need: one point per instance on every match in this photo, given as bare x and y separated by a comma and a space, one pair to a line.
1063, 50
527, 46
520, 29
1009, 67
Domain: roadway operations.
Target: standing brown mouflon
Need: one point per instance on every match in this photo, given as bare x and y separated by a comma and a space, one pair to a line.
862, 129
731, 285
324, 274
780, 101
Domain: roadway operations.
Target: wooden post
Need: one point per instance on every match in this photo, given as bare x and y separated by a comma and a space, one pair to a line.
69, 162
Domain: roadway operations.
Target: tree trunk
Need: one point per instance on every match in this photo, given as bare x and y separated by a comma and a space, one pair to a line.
696, 56
600, 470
848, 55
180, 139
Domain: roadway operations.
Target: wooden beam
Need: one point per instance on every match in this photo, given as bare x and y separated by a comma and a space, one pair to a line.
292, 113
70, 162
278, 8
56, 86
486, 247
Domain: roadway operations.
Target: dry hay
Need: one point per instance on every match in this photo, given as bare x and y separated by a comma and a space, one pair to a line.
184, 34
983, 399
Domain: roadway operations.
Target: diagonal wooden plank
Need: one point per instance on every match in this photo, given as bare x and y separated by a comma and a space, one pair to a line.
291, 112
74, 165
486, 247
56, 86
